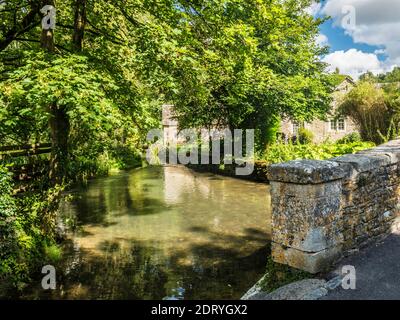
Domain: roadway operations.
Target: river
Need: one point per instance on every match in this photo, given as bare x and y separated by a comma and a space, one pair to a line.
163, 233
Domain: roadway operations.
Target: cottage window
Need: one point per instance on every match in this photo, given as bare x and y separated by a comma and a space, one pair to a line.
337, 125
333, 125
341, 126
296, 127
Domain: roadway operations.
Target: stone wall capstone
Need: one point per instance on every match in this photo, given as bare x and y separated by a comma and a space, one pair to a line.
324, 210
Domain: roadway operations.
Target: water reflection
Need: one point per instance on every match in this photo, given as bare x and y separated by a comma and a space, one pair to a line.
167, 233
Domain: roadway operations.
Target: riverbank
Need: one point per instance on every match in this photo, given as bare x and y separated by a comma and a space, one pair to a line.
259, 174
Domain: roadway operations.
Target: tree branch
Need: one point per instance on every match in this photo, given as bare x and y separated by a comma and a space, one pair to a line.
27, 23
110, 38
37, 41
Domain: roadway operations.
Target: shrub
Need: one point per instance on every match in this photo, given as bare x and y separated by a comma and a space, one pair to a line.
370, 109
350, 138
278, 275
305, 136
282, 152
26, 232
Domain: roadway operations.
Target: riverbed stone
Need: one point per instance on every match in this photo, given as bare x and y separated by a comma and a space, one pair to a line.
308, 289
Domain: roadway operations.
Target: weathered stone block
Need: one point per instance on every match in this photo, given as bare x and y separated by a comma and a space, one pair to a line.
361, 162
390, 149
306, 217
307, 171
310, 262
306, 191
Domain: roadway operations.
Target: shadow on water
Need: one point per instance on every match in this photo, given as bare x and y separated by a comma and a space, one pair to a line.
164, 233
145, 272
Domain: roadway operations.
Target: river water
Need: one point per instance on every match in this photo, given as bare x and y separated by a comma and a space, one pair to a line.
164, 233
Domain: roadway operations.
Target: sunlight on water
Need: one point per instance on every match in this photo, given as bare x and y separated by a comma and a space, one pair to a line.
165, 233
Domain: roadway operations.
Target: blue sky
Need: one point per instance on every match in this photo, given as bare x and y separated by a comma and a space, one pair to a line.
339, 40
363, 35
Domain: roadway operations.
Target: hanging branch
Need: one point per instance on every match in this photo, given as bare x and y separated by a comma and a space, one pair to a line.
27, 24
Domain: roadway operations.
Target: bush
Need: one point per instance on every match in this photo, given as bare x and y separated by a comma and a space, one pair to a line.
305, 136
282, 152
370, 109
350, 138
278, 275
26, 232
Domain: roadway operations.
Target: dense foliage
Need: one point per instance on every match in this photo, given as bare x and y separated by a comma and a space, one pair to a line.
281, 152
389, 77
245, 64
375, 109
235, 63
27, 232
94, 86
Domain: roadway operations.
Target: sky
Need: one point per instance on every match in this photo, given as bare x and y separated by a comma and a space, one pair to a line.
363, 35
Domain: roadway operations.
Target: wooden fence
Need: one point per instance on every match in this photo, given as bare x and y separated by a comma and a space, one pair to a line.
31, 169
24, 150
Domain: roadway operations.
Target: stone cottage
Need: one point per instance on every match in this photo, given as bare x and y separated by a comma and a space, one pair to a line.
170, 125
333, 129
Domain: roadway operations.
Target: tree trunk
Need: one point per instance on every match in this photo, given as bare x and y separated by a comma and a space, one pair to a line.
47, 40
60, 127
79, 24
58, 122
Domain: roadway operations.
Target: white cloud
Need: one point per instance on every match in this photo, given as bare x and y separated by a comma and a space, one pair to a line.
354, 62
314, 8
377, 23
322, 40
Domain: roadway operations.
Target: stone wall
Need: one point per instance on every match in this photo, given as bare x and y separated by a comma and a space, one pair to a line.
323, 210
321, 129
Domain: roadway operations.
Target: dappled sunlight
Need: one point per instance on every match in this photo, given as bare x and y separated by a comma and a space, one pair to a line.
166, 232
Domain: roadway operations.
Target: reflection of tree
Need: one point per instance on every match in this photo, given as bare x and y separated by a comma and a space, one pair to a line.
145, 272
92, 209
125, 194
134, 245
117, 274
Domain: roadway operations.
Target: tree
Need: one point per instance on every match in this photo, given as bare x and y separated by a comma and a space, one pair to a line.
368, 76
82, 89
393, 76
243, 64
368, 107
236, 63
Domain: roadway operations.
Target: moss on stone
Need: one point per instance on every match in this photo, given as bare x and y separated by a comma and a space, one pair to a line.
278, 275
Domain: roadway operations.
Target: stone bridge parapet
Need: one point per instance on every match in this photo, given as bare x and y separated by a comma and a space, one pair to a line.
324, 210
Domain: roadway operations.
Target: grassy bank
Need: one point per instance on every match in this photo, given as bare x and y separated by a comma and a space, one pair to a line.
29, 221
